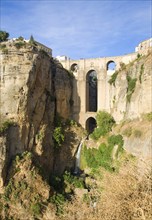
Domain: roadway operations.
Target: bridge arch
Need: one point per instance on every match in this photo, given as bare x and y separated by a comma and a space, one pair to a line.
74, 67
111, 65
91, 91
90, 124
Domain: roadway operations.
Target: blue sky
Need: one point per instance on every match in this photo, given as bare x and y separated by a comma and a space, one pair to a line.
82, 28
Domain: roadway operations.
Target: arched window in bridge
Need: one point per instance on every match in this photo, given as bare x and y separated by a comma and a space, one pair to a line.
111, 65
74, 67
91, 91
90, 125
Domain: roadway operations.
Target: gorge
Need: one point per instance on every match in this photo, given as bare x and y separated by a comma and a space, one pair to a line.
43, 120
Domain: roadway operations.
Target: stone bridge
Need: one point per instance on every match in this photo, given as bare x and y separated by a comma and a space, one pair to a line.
88, 101
91, 89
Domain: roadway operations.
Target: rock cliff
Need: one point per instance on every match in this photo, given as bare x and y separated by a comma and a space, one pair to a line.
34, 91
130, 90
131, 101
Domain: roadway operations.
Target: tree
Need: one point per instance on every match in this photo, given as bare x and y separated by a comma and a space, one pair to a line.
3, 36
32, 39
21, 38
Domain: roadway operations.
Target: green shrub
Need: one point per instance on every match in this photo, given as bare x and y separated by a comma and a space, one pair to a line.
8, 191
40, 135
97, 133
113, 78
5, 51
32, 41
27, 155
116, 140
148, 116
104, 124
43, 52
73, 181
59, 200
2, 46
94, 158
58, 136
131, 87
7, 124
122, 66
139, 56
20, 38
96, 173
141, 72
36, 209
57, 183
71, 122
20, 44
23, 186
3, 36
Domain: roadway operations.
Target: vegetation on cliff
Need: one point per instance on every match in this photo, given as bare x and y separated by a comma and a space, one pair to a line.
113, 78
3, 36
131, 87
104, 124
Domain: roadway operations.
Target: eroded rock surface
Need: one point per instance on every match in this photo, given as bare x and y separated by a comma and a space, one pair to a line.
34, 89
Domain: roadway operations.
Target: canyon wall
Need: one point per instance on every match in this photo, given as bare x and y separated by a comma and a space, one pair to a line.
131, 102
130, 93
34, 90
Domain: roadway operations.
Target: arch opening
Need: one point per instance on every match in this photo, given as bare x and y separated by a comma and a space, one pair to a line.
74, 67
91, 91
90, 125
111, 65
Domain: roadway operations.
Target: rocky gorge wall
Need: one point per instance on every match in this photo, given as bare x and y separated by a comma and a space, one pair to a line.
130, 92
130, 101
34, 90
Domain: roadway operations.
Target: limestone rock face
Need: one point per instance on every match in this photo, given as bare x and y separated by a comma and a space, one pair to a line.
33, 89
140, 101
62, 92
